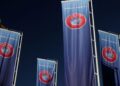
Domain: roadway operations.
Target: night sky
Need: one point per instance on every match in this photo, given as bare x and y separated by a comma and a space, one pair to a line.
41, 23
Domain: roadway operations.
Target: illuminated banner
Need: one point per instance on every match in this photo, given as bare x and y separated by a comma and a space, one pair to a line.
9, 44
109, 53
77, 43
46, 72
109, 48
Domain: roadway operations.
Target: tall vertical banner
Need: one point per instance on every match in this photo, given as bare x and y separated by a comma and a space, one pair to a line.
46, 72
77, 43
109, 52
9, 50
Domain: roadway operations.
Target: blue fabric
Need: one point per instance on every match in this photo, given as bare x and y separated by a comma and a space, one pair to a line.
49, 66
110, 40
8, 63
77, 46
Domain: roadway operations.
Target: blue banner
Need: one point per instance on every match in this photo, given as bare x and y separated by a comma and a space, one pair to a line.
46, 72
9, 41
77, 43
109, 53
109, 49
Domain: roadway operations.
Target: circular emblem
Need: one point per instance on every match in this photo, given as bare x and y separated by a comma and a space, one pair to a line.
109, 54
6, 50
45, 77
76, 21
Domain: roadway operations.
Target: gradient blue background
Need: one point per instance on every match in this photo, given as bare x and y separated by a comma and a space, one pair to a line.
41, 23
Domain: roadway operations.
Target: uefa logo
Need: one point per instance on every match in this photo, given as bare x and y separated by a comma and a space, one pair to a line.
75, 21
6, 50
109, 54
45, 77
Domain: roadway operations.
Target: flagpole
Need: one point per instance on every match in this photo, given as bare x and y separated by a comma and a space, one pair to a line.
17, 61
56, 72
95, 45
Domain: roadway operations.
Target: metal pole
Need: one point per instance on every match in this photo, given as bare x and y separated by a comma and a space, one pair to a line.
95, 45
56, 72
18, 58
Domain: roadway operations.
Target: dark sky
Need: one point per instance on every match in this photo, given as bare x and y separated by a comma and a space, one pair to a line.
41, 23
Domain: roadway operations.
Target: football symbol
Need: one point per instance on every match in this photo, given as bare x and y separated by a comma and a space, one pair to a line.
109, 54
6, 50
75, 21
45, 77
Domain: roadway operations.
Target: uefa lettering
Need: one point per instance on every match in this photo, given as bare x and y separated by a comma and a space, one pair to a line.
6, 50
109, 54
75, 21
